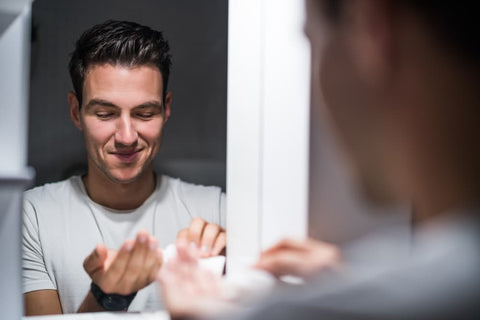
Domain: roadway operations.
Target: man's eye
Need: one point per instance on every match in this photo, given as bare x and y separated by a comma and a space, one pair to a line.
145, 115
104, 115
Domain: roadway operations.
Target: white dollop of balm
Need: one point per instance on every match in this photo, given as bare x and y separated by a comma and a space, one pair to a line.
213, 264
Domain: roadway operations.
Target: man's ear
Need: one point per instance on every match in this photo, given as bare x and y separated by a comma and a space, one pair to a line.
168, 106
74, 110
373, 33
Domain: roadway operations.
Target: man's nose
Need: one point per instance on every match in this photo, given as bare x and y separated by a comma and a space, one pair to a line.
126, 135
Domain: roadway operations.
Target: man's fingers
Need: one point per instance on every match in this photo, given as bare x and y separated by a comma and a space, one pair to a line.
154, 270
152, 255
185, 254
182, 236
117, 267
207, 239
135, 265
219, 244
151, 262
281, 263
195, 230
210, 234
95, 260
299, 258
111, 255
287, 243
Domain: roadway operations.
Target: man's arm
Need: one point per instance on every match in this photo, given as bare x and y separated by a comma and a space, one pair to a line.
42, 302
122, 272
90, 304
41, 296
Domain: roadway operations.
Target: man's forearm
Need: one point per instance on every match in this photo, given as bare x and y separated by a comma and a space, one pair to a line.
89, 304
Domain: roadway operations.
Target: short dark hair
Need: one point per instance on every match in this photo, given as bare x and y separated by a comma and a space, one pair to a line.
453, 23
119, 43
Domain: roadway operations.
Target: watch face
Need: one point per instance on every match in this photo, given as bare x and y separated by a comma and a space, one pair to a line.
111, 302
115, 302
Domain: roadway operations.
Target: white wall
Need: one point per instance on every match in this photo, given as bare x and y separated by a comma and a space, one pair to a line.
14, 57
14, 176
13, 6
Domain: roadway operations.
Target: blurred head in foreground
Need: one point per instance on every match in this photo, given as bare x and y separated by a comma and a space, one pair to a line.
399, 79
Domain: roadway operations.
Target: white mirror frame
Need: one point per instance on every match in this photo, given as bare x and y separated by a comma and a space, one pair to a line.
267, 126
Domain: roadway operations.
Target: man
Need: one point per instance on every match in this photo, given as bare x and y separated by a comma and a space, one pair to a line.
399, 80
120, 103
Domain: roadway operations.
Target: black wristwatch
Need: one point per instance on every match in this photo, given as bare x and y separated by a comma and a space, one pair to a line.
111, 302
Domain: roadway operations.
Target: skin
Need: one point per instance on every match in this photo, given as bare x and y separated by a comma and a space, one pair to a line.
302, 258
201, 289
405, 111
122, 120
207, 239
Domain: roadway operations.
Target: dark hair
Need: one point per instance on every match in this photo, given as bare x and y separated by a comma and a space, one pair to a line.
119, 43
453, 23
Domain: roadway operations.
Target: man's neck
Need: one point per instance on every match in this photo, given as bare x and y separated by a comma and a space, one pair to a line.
448, 197
442, 162
448, 178
119, 196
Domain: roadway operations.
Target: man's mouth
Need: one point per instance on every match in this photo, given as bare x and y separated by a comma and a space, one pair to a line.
127, 156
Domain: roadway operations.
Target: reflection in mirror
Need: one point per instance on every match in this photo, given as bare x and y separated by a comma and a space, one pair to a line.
194, 141
98, 218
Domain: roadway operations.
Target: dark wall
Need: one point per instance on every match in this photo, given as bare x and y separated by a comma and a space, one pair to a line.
194, 145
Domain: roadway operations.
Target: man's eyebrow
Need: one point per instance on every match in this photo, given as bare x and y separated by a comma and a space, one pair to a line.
150, 104
100, 102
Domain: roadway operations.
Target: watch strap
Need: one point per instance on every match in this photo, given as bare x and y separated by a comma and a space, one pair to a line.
112, 301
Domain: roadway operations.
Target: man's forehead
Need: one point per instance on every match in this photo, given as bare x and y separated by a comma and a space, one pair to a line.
123, 85
120, 66
128, 77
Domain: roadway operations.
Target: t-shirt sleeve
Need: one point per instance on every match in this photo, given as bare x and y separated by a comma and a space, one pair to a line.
35, 275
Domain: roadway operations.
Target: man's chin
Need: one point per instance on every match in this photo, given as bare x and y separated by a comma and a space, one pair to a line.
124, 178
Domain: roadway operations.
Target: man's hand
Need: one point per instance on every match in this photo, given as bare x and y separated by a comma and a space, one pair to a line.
299, 258
127, 270
189, 291
207, 238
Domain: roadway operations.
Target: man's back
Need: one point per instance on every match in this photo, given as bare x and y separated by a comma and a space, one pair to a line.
439, 280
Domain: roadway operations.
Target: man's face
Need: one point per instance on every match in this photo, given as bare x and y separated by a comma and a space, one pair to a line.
339, 85
122, 119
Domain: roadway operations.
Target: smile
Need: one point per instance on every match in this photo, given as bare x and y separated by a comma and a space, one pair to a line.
127, 156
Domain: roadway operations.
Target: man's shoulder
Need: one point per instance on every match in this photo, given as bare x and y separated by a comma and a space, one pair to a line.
199, 199
187, 189
54, 191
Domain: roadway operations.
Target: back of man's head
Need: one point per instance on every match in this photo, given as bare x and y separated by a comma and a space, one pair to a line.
399, 80
119, 43
453, 23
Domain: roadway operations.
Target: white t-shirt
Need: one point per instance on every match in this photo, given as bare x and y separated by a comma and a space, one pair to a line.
438, 280
62, 226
